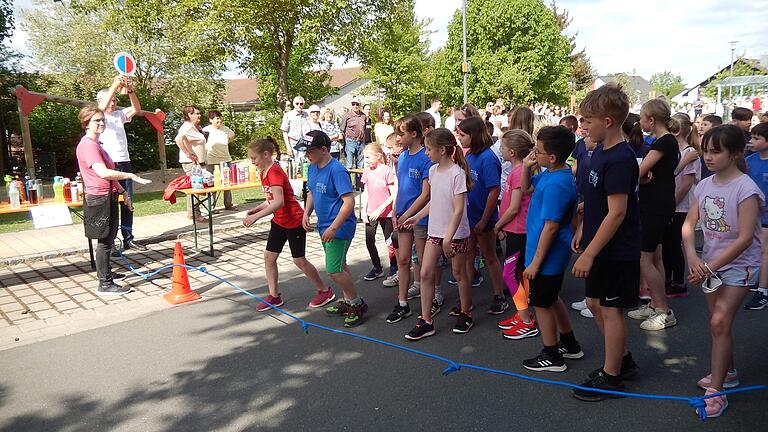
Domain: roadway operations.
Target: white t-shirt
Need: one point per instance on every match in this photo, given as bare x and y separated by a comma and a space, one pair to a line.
113, 139
296, 124
693, 168
217, 145
444, 186
450, 123
497, 120
196, 140
436, 115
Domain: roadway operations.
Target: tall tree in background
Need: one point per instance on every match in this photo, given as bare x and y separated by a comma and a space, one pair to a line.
667, 83
582, 75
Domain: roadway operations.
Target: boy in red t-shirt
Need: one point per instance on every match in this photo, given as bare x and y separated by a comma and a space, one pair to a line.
285, 227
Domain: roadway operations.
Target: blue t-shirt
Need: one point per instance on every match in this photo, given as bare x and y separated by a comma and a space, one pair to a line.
613, 171
758, 171
485, 170
554, 199
327, 185
412, 170
582, 156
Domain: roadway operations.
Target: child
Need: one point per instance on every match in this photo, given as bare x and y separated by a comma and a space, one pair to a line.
329, 191
582, 156
707, 123
482, 212
377, 199
609, 236
285, 225
758, 170
515, 147
548, 252
412, 195
448, 228
729, 205
742, 117
393, 144
657, 206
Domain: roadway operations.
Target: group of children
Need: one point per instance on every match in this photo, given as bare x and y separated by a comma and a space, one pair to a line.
450, 195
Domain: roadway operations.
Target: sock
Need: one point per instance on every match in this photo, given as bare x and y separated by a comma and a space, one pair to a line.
402, 303
763, 291
417, 284
356, 301
568, 339
552, 351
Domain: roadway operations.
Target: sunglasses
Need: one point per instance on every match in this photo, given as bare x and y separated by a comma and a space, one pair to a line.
356, 103
299, 103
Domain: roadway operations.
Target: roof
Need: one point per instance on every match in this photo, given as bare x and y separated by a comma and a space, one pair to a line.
634, 81
754, 64
737, 81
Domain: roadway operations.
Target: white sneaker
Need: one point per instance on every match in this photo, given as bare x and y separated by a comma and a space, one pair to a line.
414, 291
659, 321
644, 312
390, 281
586, 313
579, 305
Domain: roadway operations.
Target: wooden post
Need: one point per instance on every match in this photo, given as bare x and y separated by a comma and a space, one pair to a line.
161, 151
29, 157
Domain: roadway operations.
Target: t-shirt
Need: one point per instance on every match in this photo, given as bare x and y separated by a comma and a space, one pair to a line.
517, 224
196, 140
613, 171
693, 168
377, 183
412, 169
327, 185
444, 185
450, 123
719, 215
658, 195
485, 170
583, 157
435, 115
331, 129
554, 199
353, 125
291, 213
294, 123
758, 171
382, 131
90, 152
217, 144
113, 139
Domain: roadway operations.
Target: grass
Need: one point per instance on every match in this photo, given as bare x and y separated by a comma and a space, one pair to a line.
145, 204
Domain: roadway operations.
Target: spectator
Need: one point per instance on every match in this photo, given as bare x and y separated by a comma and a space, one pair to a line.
191, 142
450, 121
434, 109
384, 128
217, 149
368, 138
294, 126
331, 128
353, 128
314, 118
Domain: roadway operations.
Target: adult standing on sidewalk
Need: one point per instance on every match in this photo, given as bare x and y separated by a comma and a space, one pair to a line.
102, 186
115, 143
434, 111
191, 142
294, 126
353, 128
217, 147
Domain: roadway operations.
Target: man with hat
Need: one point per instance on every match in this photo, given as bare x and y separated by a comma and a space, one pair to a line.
330, 196
294, 126
353, 128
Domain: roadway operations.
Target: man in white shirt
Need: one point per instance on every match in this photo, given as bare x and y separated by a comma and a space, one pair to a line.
294, 125
434, 110
115, 142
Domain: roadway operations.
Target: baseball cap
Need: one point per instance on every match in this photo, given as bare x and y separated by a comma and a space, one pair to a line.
313, 139
314, 108
354, 99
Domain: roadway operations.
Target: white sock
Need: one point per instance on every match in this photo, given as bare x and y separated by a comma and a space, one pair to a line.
763, 291
402, 303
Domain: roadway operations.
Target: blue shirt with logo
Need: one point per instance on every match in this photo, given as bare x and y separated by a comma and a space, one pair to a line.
758, 171
485, 170
327, 185
412, 170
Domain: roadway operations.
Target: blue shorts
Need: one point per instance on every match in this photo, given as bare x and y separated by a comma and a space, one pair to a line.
740, 276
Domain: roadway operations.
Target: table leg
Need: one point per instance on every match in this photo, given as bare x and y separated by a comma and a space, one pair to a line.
90, 252
194, 217
210, 223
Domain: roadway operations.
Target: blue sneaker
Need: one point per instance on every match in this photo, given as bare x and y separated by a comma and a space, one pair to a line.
477, 280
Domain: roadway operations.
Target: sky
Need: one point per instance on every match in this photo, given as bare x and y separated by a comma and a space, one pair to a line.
686, 37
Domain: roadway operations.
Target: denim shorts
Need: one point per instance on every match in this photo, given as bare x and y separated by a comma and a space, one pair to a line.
740, 276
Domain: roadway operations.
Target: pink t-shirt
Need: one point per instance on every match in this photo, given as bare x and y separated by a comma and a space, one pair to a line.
90, 152
719, 217
377, 183
693, 168
517, 224
444, 185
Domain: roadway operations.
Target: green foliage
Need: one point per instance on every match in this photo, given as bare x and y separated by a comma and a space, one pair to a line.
667, 83
740, 68
582, 75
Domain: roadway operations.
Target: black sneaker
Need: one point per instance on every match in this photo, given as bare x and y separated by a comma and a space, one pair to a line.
598, 380
423, 329
573, 353
118, 276
131, 244
374, 274
112, 289
499, 305
757, 302
398, 313
463, 324
629, 369
435, 309
456, 310
543, 362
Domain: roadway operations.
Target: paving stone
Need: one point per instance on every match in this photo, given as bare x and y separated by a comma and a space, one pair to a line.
48, 313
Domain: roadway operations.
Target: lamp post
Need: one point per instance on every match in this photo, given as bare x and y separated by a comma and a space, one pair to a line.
733, 50
465, 64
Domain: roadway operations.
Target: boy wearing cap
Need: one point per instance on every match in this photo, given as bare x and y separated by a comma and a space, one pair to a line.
329, 194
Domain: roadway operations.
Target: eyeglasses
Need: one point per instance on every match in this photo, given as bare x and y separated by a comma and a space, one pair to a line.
356, 103
538, 152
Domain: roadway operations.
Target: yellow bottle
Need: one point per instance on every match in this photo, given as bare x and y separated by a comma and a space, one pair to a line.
252, 173
217, 176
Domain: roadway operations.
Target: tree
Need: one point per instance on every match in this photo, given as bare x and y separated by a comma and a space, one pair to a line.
582, 75
667, 83
741, 67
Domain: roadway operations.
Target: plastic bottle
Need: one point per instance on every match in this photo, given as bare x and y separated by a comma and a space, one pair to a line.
225, 174
67, 189
232, 173
20, 187
80, 189
197, 177
58, 190
74, 193
216, 176
242, 175
32, 191
305, 170
251, 173
13, 194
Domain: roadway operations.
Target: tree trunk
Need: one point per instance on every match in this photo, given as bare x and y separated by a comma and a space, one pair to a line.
283, 48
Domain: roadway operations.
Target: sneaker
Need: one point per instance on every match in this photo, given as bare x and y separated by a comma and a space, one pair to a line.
374, 274
340, 308
508, 323
439, 297
579, 305
629, 369
521, 330
398, 313
355, 314
322, 298
456, 310
731, 380
423, 329
544, 363
644, 312
586, 313
463, 324
435, 309
131, 244
477, 280
757, 302
414, 291
645, 294
573, 353
659, 321
452, 280
118, 276
269, 302
715, 405
391, 281
499, 305
675, 290
112, 289
601, 381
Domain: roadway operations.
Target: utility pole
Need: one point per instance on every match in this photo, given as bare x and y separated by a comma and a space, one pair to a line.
465, 63
733, 50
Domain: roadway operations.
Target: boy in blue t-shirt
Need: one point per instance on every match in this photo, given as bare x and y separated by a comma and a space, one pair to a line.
329, 194
548, 251
757, 163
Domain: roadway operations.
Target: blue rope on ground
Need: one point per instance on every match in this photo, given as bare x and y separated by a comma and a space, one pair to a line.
697, 402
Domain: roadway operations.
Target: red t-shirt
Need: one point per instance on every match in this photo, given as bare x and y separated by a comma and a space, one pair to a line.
90, 152
289, 216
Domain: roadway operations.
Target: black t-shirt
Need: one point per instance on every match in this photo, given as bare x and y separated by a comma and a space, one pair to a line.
613, 171
658, 196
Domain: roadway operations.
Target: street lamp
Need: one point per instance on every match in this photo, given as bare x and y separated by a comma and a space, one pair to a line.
465, 64
733, 50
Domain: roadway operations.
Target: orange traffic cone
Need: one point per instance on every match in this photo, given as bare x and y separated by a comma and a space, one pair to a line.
180, 291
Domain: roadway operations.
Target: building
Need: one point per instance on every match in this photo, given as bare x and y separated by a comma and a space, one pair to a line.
693, 94
638, 88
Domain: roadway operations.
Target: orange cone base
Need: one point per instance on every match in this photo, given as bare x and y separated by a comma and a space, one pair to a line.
175, 299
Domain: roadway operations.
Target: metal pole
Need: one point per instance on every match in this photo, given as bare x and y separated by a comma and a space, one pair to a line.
733, 49
464, 66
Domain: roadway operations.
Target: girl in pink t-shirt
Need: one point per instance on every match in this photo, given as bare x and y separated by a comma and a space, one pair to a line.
513, 211
728, 205
378, 195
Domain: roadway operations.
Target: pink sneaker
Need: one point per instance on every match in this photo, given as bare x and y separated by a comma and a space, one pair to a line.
270, 300
731, 380
322, 298
715, 405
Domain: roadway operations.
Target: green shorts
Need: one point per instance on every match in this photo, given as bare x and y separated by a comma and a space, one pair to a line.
336, 255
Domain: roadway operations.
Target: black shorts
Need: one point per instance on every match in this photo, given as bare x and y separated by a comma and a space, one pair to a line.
296, 238
615, 283
545, 289
652, 227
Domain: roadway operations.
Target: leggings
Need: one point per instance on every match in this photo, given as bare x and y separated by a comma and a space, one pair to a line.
370, 238
672, 250
516, 243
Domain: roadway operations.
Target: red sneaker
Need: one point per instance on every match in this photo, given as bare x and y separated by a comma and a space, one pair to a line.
270, 300
509, 322
322, 298
521, 331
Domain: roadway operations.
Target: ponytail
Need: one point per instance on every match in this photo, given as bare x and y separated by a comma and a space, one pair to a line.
267, 144
461, 161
